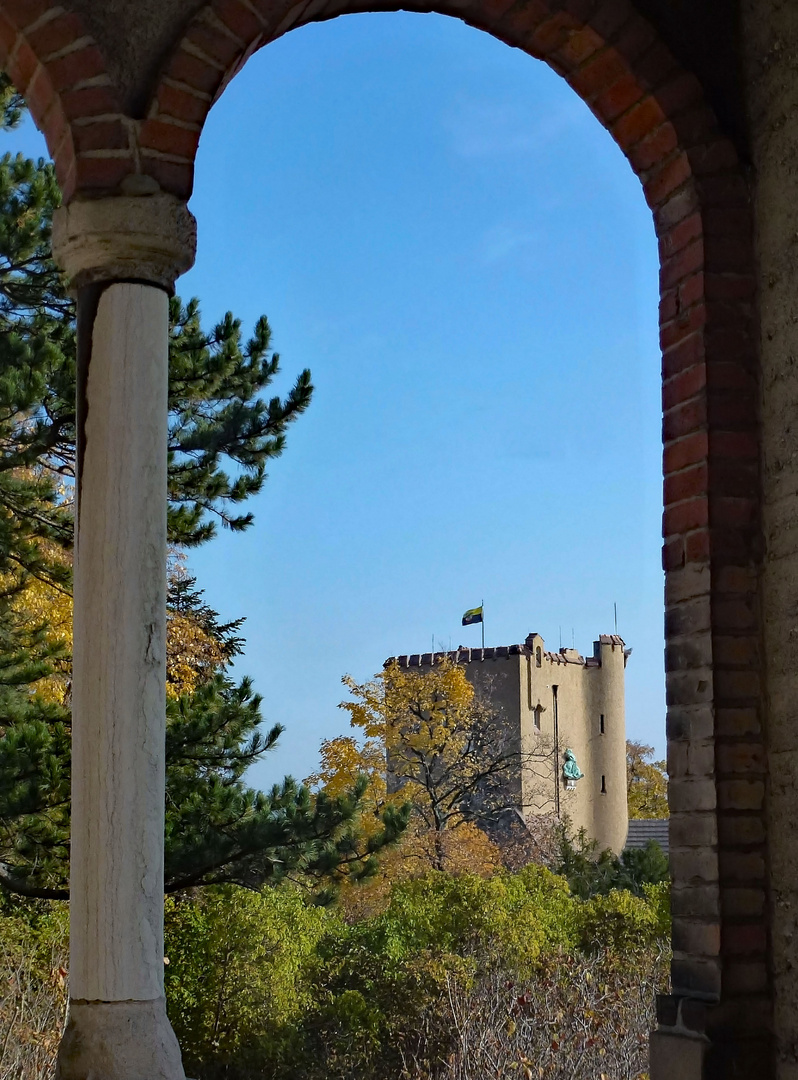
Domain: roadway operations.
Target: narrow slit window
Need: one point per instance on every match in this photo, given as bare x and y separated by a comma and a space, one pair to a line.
601, 724
603, 785
537, 713
538, 660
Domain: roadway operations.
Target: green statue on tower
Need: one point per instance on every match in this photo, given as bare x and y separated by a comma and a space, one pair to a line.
570, 770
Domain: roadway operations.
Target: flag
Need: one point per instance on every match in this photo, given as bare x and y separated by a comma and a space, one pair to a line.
473, 616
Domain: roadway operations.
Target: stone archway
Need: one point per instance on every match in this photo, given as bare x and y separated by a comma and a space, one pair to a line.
657, 112
693, 183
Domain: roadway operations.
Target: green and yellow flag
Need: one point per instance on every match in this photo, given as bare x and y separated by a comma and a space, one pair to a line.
473, 616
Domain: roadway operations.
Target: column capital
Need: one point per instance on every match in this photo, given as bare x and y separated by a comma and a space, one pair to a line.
148, 238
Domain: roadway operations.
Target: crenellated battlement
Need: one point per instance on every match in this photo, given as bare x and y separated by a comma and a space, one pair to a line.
465, 655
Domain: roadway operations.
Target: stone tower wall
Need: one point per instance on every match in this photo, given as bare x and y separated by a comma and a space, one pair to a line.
587, 689
605, 686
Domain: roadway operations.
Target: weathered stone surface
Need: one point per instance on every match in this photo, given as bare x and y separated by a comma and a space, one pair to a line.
142, 237
676, 1056
119, 668
121, 1040
771, 53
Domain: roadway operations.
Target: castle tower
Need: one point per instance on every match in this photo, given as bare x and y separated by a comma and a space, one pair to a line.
568, 716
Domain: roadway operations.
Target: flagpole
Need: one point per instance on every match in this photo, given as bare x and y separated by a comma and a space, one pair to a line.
482, 604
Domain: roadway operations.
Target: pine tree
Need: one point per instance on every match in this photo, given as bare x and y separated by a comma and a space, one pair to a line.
222, 434
217, 828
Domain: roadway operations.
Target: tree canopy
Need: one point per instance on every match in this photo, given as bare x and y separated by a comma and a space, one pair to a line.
429, 745
447, 748
224, 429
218, 829
646, 782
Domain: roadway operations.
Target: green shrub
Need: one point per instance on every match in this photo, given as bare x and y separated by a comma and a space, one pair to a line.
536, 915
33, 962
591, 872
238, 975
622, 923
266, 986
269, 986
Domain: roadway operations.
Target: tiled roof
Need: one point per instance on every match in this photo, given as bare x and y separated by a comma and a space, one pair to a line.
641, 830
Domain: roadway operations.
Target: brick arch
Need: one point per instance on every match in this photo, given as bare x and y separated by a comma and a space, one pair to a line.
696, 189
58, 68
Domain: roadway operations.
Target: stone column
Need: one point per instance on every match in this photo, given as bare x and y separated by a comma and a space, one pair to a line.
122, 255
771, 54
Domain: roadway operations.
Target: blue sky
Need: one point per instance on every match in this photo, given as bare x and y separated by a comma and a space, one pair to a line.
439, 228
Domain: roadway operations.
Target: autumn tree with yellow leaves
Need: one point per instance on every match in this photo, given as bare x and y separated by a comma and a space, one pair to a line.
431, 741
197, 643
646, 782
448, 749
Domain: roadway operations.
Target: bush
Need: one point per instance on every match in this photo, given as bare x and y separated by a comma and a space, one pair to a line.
455, 974
579, 1018
590, 872
521, 914
623, 923
266, 986
33, 955
389, 986
238, 976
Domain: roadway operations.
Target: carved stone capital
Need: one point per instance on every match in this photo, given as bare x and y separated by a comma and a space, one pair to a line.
148, 238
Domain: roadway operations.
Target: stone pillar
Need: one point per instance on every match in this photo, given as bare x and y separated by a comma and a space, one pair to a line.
122, 255
771, 53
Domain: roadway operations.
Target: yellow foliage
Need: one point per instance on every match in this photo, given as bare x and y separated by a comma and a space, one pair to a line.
443, 744
439, 699
343, 760
41, 603
421, 745
646, 782
192, 654
463, 849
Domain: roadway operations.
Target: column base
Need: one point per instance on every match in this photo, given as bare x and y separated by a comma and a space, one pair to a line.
703, 1040
119, 1040
676, 1056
